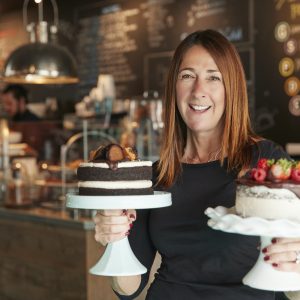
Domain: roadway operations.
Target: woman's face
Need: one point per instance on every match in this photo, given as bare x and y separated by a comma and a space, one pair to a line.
200, 93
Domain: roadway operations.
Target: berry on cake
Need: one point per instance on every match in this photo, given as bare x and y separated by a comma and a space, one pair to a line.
114, 170
272, 191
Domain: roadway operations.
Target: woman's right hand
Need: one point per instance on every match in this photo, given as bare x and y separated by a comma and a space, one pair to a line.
113, 225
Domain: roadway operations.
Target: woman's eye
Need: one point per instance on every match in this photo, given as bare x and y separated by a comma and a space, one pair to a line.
214, 78
186, 76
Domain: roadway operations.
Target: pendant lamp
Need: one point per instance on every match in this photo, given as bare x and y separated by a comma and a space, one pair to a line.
40, 62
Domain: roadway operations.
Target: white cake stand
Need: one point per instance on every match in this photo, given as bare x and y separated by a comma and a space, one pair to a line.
118, 258
262, 276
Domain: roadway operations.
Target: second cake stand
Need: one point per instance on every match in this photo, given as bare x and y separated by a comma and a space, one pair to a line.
262, 276
118, 258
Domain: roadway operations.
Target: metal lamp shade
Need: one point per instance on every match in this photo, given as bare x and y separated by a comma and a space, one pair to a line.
40, 63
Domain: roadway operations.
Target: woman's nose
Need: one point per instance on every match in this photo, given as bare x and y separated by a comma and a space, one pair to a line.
199, 88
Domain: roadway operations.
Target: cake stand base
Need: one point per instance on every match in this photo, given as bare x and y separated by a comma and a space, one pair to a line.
265, 277
118, 260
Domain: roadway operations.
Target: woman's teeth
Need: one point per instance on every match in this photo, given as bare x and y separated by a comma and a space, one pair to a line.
200, 107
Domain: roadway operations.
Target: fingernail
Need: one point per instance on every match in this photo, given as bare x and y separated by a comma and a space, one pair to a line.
265, 250
127, 233
275, 265
132, 216
274, 241
130, 225
266, 257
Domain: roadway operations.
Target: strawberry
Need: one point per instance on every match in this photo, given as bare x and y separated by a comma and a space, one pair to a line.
281, 170
295, 174
259, 174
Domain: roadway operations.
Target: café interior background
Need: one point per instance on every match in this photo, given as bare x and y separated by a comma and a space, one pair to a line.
133, 41
128, 44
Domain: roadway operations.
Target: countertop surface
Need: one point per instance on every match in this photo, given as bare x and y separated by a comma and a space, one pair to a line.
53, 217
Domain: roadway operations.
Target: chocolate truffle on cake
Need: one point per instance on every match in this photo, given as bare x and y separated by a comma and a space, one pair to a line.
114, 170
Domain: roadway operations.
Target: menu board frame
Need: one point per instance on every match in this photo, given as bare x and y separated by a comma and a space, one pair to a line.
153, 40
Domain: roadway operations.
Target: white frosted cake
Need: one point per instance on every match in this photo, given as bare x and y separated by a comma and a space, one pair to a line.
269, 203
266, 196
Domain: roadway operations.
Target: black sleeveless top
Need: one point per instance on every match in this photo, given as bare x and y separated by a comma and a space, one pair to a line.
197, 261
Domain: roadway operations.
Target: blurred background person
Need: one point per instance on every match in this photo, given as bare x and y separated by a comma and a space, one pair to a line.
14, 100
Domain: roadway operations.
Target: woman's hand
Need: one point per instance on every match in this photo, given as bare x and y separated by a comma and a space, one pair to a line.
283, 254
113, 225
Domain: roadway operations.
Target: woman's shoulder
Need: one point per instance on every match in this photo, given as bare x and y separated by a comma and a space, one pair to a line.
267, 146
268, 149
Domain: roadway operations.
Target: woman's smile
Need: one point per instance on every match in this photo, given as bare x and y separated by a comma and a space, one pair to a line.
200, 108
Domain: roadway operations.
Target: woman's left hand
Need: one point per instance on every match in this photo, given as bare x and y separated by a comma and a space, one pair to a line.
283, 254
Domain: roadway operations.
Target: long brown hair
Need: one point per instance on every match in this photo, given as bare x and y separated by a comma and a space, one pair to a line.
237, 133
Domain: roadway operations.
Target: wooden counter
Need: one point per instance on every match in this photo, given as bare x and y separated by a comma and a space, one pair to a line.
46, 255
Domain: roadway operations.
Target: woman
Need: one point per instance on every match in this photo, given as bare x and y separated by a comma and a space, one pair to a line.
208, 143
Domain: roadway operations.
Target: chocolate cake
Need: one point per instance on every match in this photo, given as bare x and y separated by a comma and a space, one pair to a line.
114, 170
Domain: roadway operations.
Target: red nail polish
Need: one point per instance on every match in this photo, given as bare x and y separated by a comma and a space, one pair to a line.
130, 225
132, 216
266, 257
274, 241
275, 265
265, 250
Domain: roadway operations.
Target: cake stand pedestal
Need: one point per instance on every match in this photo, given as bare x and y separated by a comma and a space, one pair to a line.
118, 258
262, 276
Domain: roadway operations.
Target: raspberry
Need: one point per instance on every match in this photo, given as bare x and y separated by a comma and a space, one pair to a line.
295, 175
259, 174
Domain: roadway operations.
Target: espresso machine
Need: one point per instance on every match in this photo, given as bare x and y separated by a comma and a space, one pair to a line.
145, 114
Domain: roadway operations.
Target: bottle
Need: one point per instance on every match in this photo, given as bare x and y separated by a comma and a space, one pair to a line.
18, 187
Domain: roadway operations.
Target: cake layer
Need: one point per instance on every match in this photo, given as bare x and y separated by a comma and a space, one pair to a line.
96, 173
268, 203
116, 185
114, 192
123, 164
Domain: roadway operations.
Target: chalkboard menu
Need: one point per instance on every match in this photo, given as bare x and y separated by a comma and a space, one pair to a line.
134, 40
